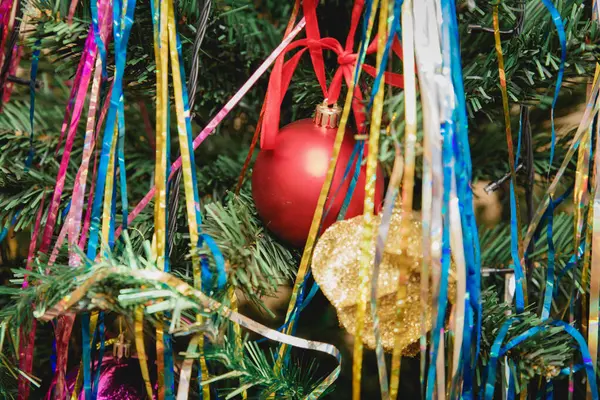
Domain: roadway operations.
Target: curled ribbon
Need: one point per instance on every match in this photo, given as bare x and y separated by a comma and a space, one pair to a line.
209, 129
282, 72
159, 277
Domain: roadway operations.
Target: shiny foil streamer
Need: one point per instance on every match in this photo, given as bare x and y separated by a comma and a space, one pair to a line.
71, 228
560, 29
408, 182
446, 130
159, 18
167, 45
121, 36
369, 209
595, 260
453, 222
73, 221
81, 90
390, 200
161, 278
516, 240
549, 290
594, 311
108, 189
27, 338
429, 62
189, 173
141, 350
581, 200
237, 331
10, 51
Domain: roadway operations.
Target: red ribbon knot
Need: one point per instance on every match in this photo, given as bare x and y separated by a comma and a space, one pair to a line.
347, 58
282, 73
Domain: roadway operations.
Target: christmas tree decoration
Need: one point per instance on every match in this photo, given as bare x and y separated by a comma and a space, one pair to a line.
98, 231
335, 268
287, 180
368, 231
11, 15
119, 379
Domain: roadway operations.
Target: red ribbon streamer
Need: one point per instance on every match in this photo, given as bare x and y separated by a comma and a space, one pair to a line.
283, 72
27, 338
257, 131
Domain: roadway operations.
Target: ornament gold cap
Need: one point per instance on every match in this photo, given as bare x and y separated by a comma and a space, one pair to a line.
121, 348
326, 116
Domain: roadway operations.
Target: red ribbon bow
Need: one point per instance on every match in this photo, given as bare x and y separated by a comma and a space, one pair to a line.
283, 72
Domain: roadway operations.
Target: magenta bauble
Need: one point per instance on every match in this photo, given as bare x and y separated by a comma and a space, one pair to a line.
119, 379
287, 180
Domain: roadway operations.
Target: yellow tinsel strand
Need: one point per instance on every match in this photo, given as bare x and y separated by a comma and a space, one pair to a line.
410, 138
369, 208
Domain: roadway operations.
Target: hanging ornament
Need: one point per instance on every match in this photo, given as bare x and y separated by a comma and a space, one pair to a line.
335, 269
287, 180
119, 379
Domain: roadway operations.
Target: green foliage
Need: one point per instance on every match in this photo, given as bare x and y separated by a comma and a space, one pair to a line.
256, 263
495, 253
542, 355
111, 285
240, 34
22, 190
255, 371
532, 58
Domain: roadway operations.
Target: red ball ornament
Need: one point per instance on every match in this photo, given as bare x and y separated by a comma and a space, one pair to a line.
287, 180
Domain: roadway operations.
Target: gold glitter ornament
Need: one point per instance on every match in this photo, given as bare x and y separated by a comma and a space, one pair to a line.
336, 271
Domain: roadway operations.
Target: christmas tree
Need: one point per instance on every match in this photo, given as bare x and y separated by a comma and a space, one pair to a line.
279, 199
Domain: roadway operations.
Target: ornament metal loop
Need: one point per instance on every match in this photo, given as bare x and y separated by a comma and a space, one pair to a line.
326, 116
121, 348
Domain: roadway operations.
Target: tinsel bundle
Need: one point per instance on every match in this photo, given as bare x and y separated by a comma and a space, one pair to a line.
145, 258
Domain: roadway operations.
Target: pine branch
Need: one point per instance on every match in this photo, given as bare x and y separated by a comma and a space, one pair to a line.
256, 263
255, 371
120, 291
531, 58
542, 355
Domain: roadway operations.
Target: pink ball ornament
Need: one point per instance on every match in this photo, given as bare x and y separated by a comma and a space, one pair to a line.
119, 379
